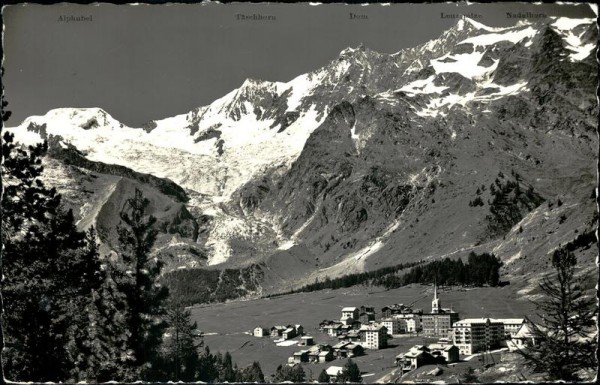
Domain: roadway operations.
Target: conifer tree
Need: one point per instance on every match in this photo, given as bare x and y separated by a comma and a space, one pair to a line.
287, 373
51, 273
350, 373
181, 349
252, 373
139, 281
323, 377
207, 366
565, 346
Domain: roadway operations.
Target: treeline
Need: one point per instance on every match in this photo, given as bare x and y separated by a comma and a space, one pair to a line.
211, 368
480, 269
348, 280
349, 373
197, 286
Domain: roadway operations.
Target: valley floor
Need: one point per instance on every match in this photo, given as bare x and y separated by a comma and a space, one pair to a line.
228, 326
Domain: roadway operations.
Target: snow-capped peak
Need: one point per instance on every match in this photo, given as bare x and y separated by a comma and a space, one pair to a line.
350, 50
480, 26
86, 118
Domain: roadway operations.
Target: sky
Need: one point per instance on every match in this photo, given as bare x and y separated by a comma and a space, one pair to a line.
147, 62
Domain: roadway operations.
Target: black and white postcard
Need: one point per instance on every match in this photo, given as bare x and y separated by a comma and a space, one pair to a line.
267, 193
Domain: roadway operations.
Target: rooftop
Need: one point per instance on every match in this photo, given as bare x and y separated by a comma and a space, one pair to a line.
349, 309
471, 321
334, 370
372, 327
509, 320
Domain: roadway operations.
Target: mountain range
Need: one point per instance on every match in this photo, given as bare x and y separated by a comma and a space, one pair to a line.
483, 139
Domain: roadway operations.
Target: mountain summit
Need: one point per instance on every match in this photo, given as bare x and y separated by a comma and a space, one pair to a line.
466, 142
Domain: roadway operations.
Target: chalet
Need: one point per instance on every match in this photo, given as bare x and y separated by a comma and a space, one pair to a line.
299, 330
525, 338
333, 372
366, 314
386, 312
416, 357
373, 336
260, 332
313, 355
324, 323
444, 353
350, 350
398, 308
333, 330
351, 336
367, 309
349, 313
314, 351
325, 356
306, 341
340, 345
289, 333
277, 331
365, 318
301, 356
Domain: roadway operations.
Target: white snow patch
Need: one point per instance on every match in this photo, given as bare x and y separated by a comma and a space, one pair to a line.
482, 26
502, 90
286, 245
566, 23
581, 52
465, 64
493, 38
564, 26
423, 86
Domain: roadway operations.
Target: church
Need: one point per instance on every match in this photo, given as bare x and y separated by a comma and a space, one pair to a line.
438, 323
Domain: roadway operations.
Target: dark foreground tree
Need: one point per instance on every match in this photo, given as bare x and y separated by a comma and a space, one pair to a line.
138, 280
350, 373
252, 373
289, 373
323, 377
54, 328
565, 345
180, 358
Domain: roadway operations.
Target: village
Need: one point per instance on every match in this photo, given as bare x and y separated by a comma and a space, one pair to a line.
360, 332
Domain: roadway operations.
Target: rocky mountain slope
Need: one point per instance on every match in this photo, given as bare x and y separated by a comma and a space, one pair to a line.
467, 142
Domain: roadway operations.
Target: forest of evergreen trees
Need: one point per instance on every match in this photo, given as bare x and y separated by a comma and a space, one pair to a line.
480, 269
70, 314
509, 202
348, 280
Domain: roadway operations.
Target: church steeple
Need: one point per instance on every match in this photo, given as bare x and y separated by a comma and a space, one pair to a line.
435, 304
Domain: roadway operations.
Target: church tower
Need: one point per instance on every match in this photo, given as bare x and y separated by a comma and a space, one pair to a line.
435, 304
